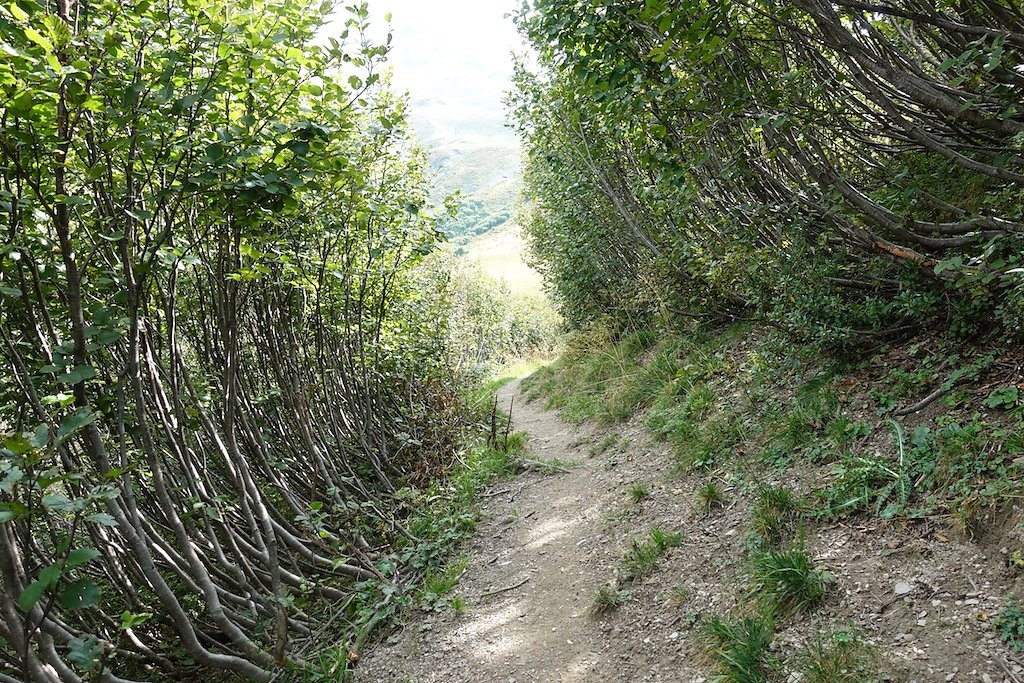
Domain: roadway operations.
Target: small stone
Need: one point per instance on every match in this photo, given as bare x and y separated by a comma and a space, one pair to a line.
902, 588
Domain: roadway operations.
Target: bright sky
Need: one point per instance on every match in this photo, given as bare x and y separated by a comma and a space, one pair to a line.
454, 58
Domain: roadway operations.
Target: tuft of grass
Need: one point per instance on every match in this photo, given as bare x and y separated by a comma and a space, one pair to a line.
777, 515
710, 497
639, 492
740, 648
813, 409
609, 598
458, 605
663, 540
642, 558
439, 583
788, 581
680, 594
840, 657
603, 445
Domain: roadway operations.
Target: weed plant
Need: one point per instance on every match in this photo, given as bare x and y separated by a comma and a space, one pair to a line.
639, 492
643, 556
710, 497
777, 516
1010, 624
609, 598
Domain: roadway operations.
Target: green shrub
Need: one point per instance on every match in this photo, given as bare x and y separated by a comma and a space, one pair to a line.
1010, 624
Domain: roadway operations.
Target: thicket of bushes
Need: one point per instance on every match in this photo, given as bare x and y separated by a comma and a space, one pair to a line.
845, 171
229, 371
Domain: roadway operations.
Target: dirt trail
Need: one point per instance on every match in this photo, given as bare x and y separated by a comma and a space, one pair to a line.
553, 540
550, 531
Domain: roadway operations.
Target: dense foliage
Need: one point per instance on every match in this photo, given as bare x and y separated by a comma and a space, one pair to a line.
220, 367
484, 324
845, 170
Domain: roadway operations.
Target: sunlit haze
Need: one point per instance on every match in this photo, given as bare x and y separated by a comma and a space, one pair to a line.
454, 58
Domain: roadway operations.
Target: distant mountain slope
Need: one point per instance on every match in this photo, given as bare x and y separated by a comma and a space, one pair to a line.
475, 155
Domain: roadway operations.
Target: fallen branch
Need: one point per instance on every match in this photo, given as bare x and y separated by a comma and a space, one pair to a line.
933, 397
489, 594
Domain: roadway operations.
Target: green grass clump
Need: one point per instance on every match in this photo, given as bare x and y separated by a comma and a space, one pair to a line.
642, 558
603, 445
598, 377
840, 657
643, 384
639, 492
710, 497
777, 515
788, 581
811, 412
740, 648
440, 583
609, 598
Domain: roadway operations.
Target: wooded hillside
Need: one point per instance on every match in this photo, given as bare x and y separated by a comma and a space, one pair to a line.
848, 171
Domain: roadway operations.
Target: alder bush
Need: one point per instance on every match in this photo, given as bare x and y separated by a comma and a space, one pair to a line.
216, 380
850, 172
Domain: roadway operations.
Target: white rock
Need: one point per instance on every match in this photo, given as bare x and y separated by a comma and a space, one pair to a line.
902, 588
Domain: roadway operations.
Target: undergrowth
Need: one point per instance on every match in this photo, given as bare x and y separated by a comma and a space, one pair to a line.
839, 657
440, 518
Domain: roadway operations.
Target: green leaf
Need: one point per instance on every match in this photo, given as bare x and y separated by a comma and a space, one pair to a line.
81, 418
38, 38
31, 595
80, 556
80, 594
85, 652
41, 437
16, 12
12, 477
79, 374
1003, 397
62, 503
102, 518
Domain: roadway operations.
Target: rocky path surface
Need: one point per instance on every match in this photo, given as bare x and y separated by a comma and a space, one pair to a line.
545, 545
925, 598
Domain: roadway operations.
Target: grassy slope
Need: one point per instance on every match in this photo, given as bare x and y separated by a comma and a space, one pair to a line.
742, 407
501, 256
